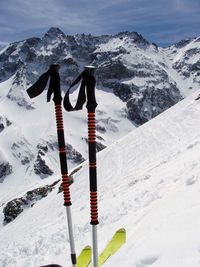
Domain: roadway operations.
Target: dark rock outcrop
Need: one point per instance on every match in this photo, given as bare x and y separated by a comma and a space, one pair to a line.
16, 206
4, 122
41, 168
150, 104
73, 154
5, 169
99, 145
21, 151
113, 69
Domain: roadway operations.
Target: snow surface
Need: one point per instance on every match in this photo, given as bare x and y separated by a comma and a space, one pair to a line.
148, 182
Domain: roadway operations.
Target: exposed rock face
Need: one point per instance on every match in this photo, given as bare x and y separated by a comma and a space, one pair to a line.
21, 151
185, 60
4, 122
41, 168
100, 128
5, 169
13, 209
135, 78
99, 145
187, 67
16, 206
146, 106
119, 58
113, 69
73, 154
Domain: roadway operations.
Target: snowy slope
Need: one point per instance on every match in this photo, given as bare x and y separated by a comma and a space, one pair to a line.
35, 127
183, 61
148, 183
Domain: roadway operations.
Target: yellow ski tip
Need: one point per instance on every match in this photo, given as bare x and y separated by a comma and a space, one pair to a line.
85, 257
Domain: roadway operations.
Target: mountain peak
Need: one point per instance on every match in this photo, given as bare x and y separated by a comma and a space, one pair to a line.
54, 32
135, 36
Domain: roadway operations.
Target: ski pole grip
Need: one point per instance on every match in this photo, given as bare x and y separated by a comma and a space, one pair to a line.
62, 154
94, 208
92, 168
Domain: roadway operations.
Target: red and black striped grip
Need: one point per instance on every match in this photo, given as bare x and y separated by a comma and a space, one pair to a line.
62, 154
91, 127
92, 168
94, 208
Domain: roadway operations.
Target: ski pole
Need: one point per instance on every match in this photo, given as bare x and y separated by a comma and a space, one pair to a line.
91, 106
54, 88
88, 82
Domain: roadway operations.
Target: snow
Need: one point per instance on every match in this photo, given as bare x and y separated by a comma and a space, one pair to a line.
3, 47
4, 88
136, 80
148, 182
32, 127
172, 55
155, 59
193, 44
112, 45
45, 52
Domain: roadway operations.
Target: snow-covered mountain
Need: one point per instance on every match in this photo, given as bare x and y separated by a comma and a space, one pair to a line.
148, 183
141, 74
136, 81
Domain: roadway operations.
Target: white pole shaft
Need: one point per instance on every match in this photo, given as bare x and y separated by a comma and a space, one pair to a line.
70, 230
95, 245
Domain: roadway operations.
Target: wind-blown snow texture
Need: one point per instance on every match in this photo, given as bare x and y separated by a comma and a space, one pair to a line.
148, 181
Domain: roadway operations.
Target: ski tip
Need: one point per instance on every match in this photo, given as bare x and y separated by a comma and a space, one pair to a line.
87, 248
121, 230
84, 257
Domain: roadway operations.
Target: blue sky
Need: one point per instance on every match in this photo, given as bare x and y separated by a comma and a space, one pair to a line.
161, 21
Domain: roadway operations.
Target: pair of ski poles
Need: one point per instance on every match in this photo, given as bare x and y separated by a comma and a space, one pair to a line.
87, 86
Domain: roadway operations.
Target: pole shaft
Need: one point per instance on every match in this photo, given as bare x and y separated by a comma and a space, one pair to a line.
95, 245
65, 176
71, 236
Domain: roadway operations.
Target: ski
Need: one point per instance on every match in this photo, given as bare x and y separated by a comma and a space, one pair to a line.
118, 239
84, 259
